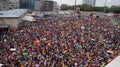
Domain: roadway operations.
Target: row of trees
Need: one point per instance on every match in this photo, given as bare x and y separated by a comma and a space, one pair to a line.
85, 7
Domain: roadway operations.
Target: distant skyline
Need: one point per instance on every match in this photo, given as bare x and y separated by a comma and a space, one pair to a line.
98, 2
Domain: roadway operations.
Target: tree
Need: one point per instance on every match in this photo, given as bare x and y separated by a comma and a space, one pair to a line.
115, 9
64, 7
86, 7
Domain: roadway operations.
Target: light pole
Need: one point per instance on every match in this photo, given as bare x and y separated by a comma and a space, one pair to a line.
105, 6
75, 5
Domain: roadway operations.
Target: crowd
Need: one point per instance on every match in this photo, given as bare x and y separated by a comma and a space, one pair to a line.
75, 41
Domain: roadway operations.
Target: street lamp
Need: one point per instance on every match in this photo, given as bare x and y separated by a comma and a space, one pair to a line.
105, 6
75, 5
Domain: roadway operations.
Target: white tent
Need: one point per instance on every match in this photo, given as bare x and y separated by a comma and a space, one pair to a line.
114, 63
29, 18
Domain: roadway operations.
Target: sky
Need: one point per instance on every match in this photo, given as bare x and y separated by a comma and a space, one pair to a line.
98, 2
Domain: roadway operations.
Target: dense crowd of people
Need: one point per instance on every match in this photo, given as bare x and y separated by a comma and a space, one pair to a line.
74, 41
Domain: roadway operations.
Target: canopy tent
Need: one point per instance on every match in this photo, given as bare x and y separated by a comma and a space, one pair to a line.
114, 63
29, 18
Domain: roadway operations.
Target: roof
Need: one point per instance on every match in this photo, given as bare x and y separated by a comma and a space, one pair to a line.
114, 63
12, 13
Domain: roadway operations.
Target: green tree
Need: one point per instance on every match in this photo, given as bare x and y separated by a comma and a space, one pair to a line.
86, 7
115, 9
65, 7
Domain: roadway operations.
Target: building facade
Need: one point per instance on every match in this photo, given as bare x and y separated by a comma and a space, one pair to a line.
26, 4
37, 5
9, 4
93, 2
12, 17
31, 4
90, 2
49, 6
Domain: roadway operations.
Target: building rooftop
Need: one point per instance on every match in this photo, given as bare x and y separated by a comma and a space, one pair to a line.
12, 13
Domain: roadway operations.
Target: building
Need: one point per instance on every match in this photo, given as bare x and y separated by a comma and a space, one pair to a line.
31, 4
89, 2
41, 3
37, 5
93, 2
11, 18
49, 6
26, 4
9, 4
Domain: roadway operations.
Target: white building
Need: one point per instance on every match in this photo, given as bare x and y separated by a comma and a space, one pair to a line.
9, 4
12, 17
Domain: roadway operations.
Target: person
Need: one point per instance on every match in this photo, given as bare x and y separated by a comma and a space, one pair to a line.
69, 41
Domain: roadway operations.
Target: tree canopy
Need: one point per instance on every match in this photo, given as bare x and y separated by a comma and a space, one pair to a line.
86, 7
